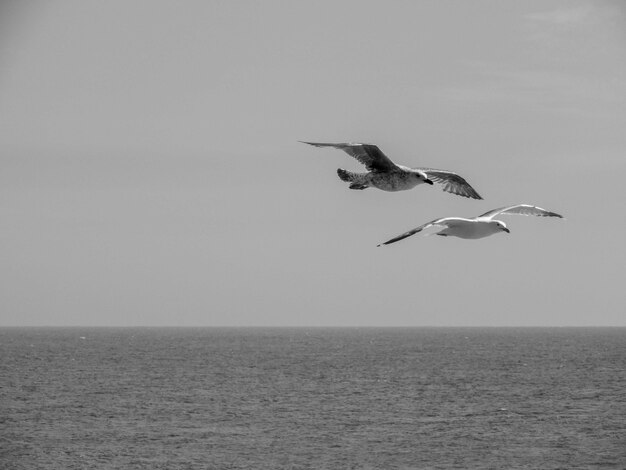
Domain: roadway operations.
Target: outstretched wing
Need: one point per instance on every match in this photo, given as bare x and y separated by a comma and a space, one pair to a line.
441, 222
451, 182
368, 154
520, 209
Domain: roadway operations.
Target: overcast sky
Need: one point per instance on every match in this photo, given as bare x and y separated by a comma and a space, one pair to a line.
150, 172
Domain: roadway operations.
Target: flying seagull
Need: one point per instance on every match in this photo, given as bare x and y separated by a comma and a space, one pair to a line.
386, 175
478, 227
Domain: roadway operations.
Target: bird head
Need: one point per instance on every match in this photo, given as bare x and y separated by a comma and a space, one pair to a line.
501, 226
423, 177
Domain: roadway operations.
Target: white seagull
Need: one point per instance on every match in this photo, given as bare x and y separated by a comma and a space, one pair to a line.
478, 227
386, 175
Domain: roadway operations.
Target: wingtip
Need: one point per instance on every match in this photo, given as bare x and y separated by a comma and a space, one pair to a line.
476, 197
468, 193
553, 214
473, 194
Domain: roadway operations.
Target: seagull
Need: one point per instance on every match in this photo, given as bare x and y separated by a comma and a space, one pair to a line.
478, 227
386, 175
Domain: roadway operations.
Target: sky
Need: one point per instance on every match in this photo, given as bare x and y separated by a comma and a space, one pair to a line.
151, 174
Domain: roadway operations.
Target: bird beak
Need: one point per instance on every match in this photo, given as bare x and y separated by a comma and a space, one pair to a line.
428, 181
506, 230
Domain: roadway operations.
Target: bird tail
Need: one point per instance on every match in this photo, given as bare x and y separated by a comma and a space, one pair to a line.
357, 180
346, 175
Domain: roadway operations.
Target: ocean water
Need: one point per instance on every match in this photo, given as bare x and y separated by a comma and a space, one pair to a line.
416, 398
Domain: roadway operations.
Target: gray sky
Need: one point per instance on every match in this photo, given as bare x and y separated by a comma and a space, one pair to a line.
150, 172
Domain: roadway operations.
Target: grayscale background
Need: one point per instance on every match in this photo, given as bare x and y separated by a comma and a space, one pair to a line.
151, 178
150, 172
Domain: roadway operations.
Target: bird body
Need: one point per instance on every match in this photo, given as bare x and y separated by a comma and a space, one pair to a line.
388, 176
396, 180
478, 227
470, 229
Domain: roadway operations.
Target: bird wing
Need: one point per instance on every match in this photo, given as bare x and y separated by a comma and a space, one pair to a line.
520, 209
451, 182
441, 222
368, 154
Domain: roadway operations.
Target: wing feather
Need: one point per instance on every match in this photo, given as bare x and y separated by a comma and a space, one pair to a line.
520, 209
451, 182
415, 230
368, 154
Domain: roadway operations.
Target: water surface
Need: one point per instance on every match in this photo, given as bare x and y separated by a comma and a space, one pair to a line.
313, 398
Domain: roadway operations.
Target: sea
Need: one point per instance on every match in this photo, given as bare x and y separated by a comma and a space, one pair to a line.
312, 398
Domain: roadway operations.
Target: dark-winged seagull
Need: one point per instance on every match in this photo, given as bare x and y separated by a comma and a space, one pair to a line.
386, 175
478, 227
